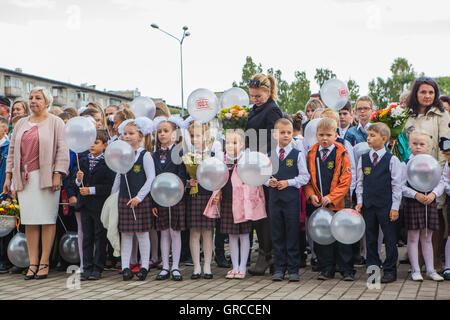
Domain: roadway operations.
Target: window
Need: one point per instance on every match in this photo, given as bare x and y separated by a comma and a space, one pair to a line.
7, 81
55, 92
29, 87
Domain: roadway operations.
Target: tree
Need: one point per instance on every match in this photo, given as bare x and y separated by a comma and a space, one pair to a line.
249, 70
353, 89
323, 75
444, 85
299, 93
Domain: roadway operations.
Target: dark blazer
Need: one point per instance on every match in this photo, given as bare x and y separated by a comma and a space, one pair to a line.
264, 117
102, 178
169, 166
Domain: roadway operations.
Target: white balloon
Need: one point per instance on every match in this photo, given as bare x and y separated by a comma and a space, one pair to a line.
334, 93
119, 156
143, 107
254, 168
423, 172
68, 247
203, 105
361, 148
234, 96
319, 226
18, 251
212, 174
167, 189
80, 134
348, 226
310, 132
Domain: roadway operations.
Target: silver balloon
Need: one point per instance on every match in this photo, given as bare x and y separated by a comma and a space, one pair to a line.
310, 132
68, 247
348, 226
143, 107
361, 148
119, 156
212, 174
254, 168
319, 226
18, 251
234, 96
7, 224
203, 105
167, 189
80, 134
334, 93
423, 172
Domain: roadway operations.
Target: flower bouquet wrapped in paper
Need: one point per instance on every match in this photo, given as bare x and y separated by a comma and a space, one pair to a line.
234, 117
192, 160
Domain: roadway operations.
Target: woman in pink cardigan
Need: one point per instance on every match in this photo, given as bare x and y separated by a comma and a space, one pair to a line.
38, 157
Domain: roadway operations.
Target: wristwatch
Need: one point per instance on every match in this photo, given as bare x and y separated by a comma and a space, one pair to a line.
61, 173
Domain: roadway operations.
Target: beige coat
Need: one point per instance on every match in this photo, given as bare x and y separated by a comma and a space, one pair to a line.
53, 151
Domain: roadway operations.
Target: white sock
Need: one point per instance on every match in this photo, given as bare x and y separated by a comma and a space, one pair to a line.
134, 252
126, 246
176, 248
234, 250
144, 248
165, 250
245, 249
194, 244
207, 238
154, 244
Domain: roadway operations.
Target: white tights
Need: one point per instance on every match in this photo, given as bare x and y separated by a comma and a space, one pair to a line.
194, 243
427, 249
244, 250
127, 246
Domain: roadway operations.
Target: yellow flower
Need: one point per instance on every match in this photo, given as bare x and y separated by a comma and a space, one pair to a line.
384, 112
1, 209
16, 206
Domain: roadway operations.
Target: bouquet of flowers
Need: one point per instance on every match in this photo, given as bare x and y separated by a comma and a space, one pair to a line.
192, 160
8, 208
9, 213
395, 118
234, 117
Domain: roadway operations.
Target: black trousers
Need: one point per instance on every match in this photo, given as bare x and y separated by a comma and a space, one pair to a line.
375, 217
285, 232
93, 234
262, 228
185, 249
219, 240
335, 254
4, 241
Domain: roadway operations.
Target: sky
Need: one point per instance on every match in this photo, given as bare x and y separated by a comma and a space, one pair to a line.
110, 43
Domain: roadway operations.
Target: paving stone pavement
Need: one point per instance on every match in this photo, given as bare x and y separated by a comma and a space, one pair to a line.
112, 287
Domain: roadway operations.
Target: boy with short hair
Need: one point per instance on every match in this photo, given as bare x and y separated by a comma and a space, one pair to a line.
284, 203
335, 174
345, 120
379, 192
95, 180
5, 264
363, 111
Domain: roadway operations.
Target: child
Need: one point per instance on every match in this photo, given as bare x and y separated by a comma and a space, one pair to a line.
120, 116
284, 203
140, 178
363, 110
4, 147
199, 224
96, 115
94, 180
165, 139
335, 178
445, 147
345, 120
415, 206
238, 233
310, 107
379, 192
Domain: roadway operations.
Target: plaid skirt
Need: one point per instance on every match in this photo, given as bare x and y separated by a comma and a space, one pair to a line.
414, 215
177, 218
144, 216
227, 224
194, 212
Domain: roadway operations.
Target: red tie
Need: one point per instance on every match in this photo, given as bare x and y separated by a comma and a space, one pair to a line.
324, 154
375, 159
281, 154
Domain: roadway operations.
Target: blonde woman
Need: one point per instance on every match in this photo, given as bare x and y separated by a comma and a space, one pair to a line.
97, 106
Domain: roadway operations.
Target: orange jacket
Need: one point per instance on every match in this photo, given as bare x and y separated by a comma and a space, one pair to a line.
342, 177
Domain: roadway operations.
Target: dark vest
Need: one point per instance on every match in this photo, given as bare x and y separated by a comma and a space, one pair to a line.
287, 170
326, 170
377, 186
136, 178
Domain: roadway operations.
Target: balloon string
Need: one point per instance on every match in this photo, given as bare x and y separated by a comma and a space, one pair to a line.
426, 219
128, 186
78, 163
62, 223
170, 218
320, 177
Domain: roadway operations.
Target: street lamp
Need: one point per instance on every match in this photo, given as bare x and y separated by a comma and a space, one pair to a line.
185, 34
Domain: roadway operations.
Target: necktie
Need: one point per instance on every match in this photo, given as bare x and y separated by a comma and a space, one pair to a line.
281, 154
163, 154
324, 154
375, 159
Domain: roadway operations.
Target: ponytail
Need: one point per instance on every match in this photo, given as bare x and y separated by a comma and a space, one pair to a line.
273, 87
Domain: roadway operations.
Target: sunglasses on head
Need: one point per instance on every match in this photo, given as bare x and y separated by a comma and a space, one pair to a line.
255, 83
425, 79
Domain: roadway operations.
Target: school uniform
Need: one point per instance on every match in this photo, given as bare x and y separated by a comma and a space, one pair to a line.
140, 178
414, 211
343, 131
357, 134
163, 163
446, 180
99, 179
379, 189
284, 209
227, 224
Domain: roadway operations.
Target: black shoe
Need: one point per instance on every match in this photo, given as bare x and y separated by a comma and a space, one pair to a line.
176, 277
42, 276
221, 261
325, 276
163, 276
142, 274
127, 274
196, 276
294, 277
4, 268
278, 276
302, 264
388, 278
208, 276
33, 275
404, 261
85, 276
446, 274
95, 276
348, 276
16, 270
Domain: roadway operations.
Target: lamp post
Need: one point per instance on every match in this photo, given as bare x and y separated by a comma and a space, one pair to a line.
185, 34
